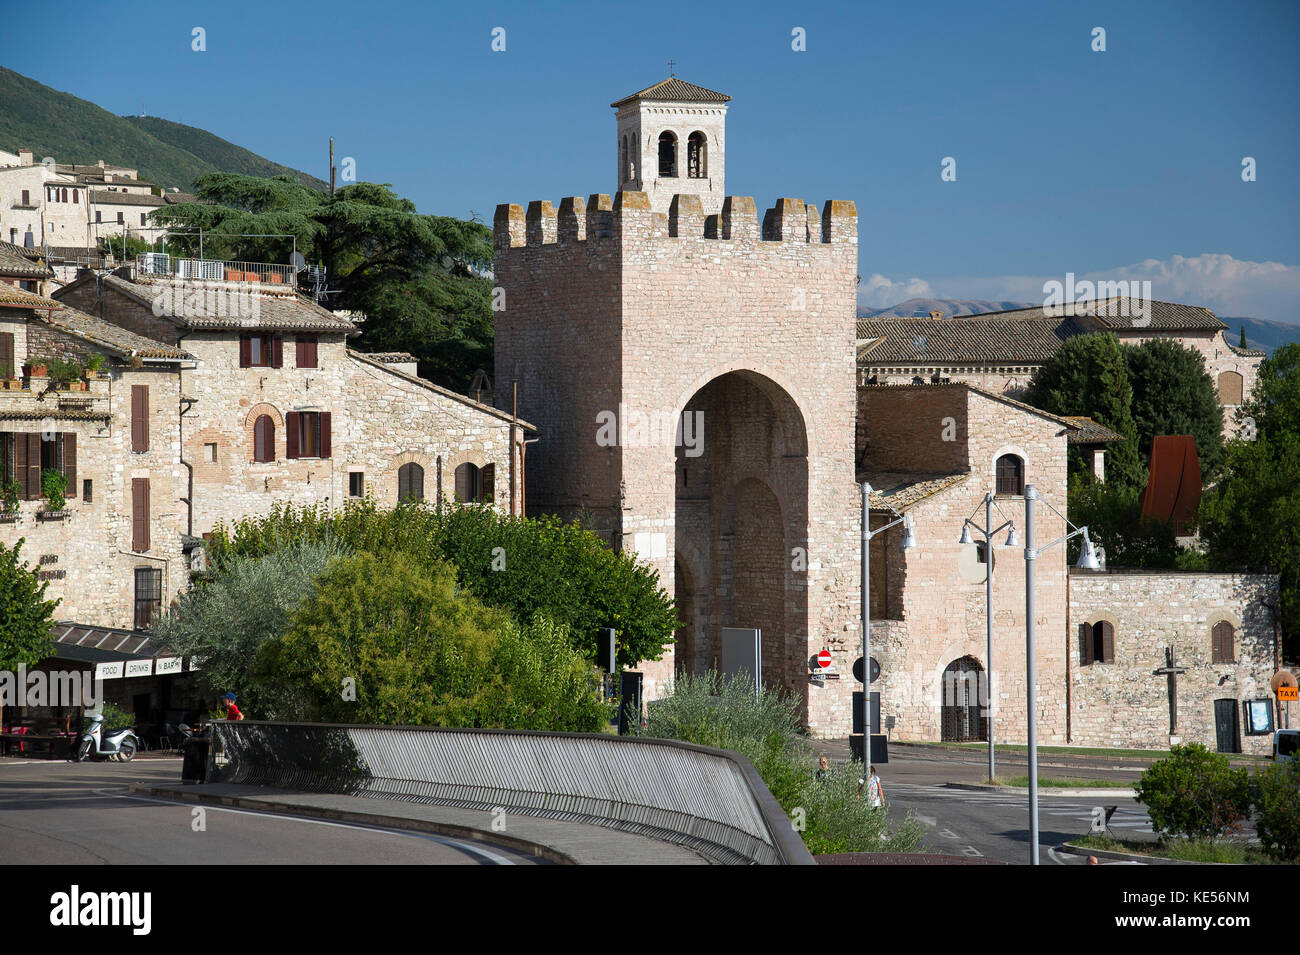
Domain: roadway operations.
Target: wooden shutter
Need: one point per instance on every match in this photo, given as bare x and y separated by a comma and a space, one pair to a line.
140, 418
325, 444
139, 514
7, 368
488, 483
462, 482
245, 351
1221, 643
291, 434
306, 352
32, 484
1085, 631
20, 462
70, 462
277, 352
1107, 641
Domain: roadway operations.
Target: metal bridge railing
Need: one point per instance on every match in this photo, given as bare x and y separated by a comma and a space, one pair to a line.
710, 800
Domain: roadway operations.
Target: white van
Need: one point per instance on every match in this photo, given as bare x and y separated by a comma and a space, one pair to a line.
1286, 744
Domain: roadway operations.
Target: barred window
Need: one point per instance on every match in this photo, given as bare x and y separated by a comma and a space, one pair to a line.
148, 596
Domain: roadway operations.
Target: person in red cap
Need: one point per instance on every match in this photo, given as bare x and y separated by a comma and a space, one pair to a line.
232, 711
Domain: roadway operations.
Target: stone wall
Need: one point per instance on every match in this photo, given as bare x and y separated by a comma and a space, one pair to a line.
1125, 703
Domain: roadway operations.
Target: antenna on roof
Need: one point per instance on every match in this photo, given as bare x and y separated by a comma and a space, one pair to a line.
671, 64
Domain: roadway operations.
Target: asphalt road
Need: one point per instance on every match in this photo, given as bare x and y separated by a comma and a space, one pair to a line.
995, 825
54, 812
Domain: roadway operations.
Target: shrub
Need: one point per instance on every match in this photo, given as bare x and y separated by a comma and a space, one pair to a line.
524, 565
226, 620
1277, 802
1194, 793
726, 713
53, 484
416, 649
9, 492
25, 615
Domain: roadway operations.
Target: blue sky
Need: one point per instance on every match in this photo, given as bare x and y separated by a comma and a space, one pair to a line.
1119, 164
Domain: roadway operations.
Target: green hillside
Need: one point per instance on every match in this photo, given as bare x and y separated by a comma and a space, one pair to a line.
73, 130
224, 155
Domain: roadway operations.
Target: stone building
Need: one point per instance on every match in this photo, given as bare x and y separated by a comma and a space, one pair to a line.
277, 409
621, 321
1000, 351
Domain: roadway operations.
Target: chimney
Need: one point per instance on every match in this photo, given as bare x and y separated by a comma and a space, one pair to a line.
24, 157
936, 315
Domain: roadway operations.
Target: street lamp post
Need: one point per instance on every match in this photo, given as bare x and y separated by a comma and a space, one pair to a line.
1087, 561
988, 530
909, 541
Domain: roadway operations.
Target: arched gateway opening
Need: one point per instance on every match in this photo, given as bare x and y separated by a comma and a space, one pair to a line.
962, 711
741, 526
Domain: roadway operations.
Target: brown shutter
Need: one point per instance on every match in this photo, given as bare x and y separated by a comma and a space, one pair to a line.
33, 483
1107, 642
7, 355
140, 514
20, 462
305, 349
1085, 631
140, 418
70, 463
462, 482
325, 444
488, 483
277, 352
1221, 643
245, 351
291, 434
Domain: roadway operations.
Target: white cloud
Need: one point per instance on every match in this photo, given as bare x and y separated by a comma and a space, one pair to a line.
1226, 285
877, 291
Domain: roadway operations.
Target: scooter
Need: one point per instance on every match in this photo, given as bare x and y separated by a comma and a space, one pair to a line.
93, 742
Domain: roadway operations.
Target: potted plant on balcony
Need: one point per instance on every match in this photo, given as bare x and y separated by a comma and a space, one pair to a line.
94, 365
53, 486
7, 381
67, 374
36, 367
9, 502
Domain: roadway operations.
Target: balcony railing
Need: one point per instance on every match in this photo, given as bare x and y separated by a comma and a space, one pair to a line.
215, 270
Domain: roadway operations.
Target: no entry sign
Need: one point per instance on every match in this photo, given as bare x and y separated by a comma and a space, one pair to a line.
824, 659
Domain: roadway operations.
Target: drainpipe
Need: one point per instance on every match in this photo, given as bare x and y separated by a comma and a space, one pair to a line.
185, 405
1068, 724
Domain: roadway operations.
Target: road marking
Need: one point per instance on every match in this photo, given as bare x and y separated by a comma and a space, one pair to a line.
492, 857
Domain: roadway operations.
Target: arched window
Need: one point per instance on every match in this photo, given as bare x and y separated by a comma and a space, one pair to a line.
697, 158
623, 168
1230, 388
667, 155
1098, 642
1223, 643
410, 482
1010, 475
264, 439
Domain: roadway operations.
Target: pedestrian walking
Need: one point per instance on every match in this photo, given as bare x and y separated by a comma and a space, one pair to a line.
232, 711
875, 791
823, 767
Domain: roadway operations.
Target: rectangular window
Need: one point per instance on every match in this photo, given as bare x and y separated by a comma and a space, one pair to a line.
27, 198
139, 418
357, 484
148, 595
305, 347
260, 351
210, 453
99, 215
142, 218
140, 514
120, 219
87, 490
76, 197
8, 364
308, 434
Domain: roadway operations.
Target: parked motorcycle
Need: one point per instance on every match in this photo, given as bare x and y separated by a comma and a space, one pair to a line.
94, 742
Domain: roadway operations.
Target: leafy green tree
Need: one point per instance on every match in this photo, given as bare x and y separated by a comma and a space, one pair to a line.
418, 650
226, 620
1250, 521
419, 279
1113, 515
528, 566
1174, 394
1088, 375
1277, 802
1194, 793
1243, 336
26, 617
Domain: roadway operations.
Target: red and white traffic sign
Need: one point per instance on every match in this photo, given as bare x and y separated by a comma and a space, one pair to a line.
824, 659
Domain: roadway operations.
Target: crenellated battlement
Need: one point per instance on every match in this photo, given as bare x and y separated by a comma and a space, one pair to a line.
628, 216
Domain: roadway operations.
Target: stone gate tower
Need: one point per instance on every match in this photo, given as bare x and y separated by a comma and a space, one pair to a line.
692, 375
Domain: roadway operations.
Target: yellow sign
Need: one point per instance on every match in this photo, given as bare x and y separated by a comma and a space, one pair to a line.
1288, 694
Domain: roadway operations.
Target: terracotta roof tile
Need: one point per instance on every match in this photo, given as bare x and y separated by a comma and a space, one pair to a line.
675, 90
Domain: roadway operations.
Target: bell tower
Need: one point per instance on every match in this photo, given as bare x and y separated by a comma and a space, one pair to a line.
671, 141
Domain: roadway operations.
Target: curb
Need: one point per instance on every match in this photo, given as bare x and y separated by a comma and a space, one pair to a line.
1044, 790
1127, 856
267, 805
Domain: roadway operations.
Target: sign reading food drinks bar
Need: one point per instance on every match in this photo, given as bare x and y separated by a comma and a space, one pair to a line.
165, 665
109, 671
139, 667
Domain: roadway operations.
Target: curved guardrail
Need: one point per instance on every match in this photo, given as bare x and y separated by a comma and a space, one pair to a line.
708, 799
